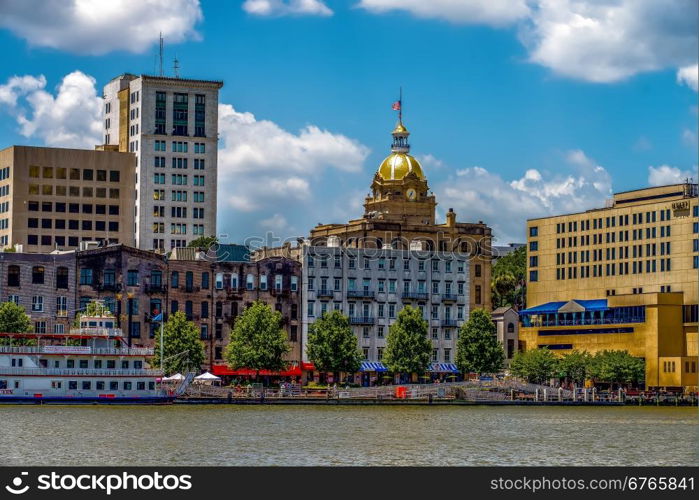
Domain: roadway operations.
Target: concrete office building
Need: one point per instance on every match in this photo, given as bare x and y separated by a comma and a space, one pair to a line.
621, 277
171, 125
54, 198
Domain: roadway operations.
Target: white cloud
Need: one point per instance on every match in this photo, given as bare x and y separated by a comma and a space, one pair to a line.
263, 167
478, 194
689, 137
70, 118
491, 12
273, 8
665, 174
100, 26
430, 161
689, 76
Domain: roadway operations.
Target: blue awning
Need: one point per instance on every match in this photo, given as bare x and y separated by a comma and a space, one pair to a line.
594, 305
443, 368
548, 308
372, 366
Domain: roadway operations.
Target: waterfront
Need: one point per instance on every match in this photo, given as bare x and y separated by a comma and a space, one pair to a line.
261, 435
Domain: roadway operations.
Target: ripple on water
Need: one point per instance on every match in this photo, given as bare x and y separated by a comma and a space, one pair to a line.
273, 435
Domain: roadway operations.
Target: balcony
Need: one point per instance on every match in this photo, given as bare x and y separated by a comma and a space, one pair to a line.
325, 292
92, 332
449, 297
415, 295
360, 294
108, 287
77, 372
66, 349
361, 320
155, 288
191, 289
449, 322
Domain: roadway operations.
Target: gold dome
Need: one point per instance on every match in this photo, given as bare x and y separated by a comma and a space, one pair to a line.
400, 129
397, 165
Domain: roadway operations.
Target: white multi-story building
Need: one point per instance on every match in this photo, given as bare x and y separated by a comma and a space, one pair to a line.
370, 286
171, 125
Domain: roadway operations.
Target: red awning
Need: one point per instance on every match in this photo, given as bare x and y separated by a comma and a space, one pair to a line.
308, 367
220, 370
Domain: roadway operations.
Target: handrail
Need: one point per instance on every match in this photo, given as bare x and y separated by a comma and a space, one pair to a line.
61, 349
66, 372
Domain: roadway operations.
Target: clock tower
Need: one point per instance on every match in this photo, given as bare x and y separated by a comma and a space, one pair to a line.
399, 191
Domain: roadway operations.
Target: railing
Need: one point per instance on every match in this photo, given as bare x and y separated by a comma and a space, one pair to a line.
361, 320
415, 295
94, 332
583, 322
369, 294
449, 322
191, 288
155, 288
109, 287
449, 297
86, 372
66, 349
325, 292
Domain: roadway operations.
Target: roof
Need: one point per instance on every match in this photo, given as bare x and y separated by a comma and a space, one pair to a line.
569, 306
501, 310
231, 252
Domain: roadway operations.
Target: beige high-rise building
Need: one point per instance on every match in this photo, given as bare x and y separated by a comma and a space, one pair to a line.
171, 125
54, 198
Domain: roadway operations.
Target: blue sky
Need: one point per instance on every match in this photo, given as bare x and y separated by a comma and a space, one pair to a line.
517, 108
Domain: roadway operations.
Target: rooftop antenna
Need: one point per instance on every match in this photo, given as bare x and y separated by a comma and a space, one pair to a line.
161, 53
176, 67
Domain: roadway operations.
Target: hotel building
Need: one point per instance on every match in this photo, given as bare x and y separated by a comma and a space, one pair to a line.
53, 198
620, 277
171, 125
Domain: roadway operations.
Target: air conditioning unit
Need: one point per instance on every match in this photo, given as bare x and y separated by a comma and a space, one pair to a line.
19, 248
88, 245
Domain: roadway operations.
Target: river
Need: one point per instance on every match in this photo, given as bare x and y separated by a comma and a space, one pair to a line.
318, 435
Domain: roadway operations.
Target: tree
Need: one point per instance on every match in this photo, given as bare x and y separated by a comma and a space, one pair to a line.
408, 349
332, 346
182, 349
205, 242
575, 366
258, 341
478, 349
535, 365
13, 319
508, 280
617, 367
93, 308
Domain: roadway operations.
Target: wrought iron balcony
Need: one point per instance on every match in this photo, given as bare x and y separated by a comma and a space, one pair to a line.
325, 292
360, 294
449, 297
155, 288
415, 295
361, 320
108, 287
449, 322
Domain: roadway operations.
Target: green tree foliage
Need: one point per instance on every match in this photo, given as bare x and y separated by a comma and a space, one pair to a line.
93, 308
535, 365
408, 350
204, 242
258, 341
13, 319
575, 366
617, 367
332, 347
182, 349
478, 349
508, 280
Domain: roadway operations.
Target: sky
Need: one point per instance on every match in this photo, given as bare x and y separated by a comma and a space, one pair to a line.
516, 108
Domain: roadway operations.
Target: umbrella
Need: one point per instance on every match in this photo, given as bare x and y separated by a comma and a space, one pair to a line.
174, 378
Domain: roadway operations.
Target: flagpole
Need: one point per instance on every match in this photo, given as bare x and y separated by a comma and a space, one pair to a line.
400, 106
162, 340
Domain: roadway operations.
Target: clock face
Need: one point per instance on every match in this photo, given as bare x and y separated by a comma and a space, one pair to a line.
411, 194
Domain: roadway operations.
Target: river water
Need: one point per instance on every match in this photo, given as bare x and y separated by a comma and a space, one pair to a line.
318, 435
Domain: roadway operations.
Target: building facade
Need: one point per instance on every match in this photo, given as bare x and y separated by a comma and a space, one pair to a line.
171, 125
44, 284
371, 286
53, 198
506, 322
620, 277
399, 213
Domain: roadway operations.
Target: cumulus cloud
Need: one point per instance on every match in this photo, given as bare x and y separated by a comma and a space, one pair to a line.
478, 194
689, 76
263, 167
70, 118
275, 8
491, 12
665, 174
98, 26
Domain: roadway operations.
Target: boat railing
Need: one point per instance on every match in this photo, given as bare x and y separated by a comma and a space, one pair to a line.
85, 372
97, 332
60, 349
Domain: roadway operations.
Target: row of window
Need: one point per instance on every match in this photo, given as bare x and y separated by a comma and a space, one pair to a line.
85, 225
73, 208
74, 174
73, 191
621, 269
60, 241
384, 310
381, 285
382, 261
446, 356
176, 195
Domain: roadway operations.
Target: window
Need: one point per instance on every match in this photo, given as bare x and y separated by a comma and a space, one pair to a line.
533, 231
38, 275
85, 276
38, 304
132, 277
479, 295
62, 277
13, 275
533, 276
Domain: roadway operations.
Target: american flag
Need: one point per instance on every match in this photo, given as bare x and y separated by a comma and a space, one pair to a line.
396, 106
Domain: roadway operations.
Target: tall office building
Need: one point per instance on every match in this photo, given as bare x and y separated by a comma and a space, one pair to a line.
622, 277
171, 125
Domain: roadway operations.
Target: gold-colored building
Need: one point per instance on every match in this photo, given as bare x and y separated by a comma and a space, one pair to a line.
399, 213
622, 277
53, 198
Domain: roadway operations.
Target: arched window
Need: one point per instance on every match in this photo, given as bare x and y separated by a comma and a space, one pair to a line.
510, 328
62, 277
38, 275
13, 276
250, 282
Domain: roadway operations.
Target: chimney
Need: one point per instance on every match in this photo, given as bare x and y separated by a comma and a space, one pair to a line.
451, 218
